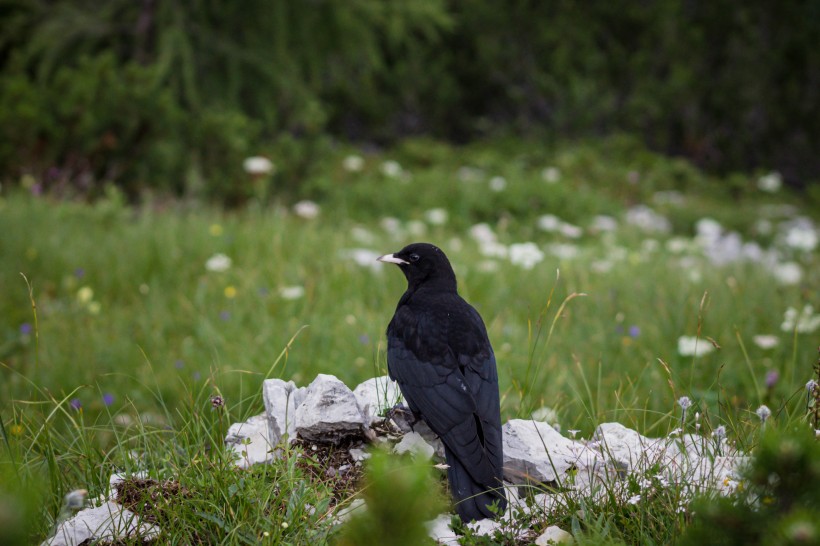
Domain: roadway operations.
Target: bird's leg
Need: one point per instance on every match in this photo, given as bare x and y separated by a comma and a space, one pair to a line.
403, 417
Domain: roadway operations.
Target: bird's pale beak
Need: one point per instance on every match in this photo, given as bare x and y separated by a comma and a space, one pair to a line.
392, 259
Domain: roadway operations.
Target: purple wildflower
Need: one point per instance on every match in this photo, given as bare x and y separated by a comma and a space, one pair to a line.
225, 315
76, 404
179, 364
108, 399
771, 378
634, 331
26, 329
79, 272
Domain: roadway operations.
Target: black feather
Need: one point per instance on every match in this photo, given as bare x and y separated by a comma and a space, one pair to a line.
439, 354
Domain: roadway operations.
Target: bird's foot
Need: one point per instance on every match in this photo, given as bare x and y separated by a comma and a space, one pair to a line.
402, 416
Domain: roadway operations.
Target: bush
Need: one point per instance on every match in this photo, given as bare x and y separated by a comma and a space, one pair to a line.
154, 94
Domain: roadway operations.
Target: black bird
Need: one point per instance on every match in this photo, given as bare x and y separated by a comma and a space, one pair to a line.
439, 353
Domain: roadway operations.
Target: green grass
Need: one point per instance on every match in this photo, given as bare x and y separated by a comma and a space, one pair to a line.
158, 334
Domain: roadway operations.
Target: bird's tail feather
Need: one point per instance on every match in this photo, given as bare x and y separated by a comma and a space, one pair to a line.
472, 498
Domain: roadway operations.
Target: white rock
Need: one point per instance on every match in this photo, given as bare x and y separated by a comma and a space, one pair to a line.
281, 399
377, 395
553, 535
106, 523
484, 527
359, 455
414, 444
536, 452
626, 447
329, 412
347, 511
251, 441
439, 530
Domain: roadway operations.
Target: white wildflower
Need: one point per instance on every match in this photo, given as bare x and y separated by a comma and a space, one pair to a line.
692, 346
708, 230
436, 217
571, 231
647, 219
602, 222
291, 292
416, 228
362, 257
719, 432
525, 255
551, 175
549, 222
258, 165
787, 273
763, 412
801, 237
685, 402
391, 169
811, 385
564, 251
493, 249
482, 233
498, 183
391, 225
306, 209
766, 341
804, 322
678, 245
771, 182
218, 263
545, 415
353, 163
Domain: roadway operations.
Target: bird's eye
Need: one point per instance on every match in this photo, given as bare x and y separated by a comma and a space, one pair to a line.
414, 257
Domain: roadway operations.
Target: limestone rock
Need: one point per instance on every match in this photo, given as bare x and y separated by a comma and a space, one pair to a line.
414, 444
439, 530
534, 452
553, 535
281, 399
375, 396
329, 412
485, 527
347, 511
251, 441
107, 523
626, 447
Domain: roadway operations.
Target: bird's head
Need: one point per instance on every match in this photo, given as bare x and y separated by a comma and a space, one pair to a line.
423, 263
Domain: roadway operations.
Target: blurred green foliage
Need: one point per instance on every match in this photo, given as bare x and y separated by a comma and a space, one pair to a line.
172, 95
782, 502
400, 496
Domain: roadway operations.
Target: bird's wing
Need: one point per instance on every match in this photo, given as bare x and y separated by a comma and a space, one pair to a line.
456, 394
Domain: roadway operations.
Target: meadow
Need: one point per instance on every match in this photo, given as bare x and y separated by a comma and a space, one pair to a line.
613, 282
